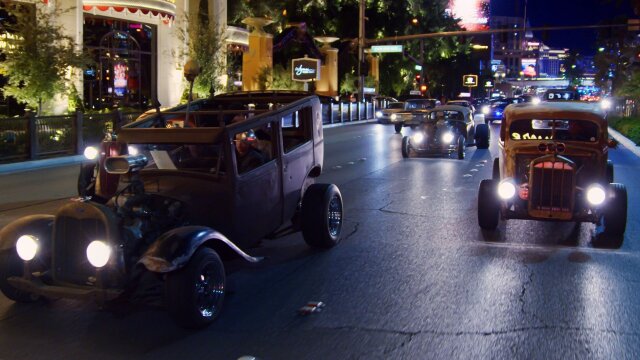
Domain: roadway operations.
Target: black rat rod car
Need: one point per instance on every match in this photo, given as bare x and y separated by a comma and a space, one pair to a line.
447, 129
553, 166
175, 192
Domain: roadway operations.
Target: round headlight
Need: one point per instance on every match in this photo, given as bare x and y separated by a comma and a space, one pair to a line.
132, 150
605, 104
447, 138
27, 247
506, 190
486, 110
535, 101
378, 113
394, 116
417, 137
98, 253
596, 195
91, 152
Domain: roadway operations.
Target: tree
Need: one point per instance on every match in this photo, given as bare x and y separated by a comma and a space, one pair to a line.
205, 44
39, 57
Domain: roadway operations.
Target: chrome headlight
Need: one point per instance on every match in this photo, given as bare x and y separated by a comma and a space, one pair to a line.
91, 152
378, 113
417, 137
506, 189
394, 116
447, 138
486, 109
98, 253
27, 247
596, 195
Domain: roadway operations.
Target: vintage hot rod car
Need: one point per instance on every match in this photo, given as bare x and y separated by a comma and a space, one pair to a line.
175, 192
447, 129
554, 165
414, 111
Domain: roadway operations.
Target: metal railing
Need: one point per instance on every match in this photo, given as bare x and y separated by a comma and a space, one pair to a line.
32, 138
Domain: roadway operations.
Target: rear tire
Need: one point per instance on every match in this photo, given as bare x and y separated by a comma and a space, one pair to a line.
614, 216
482, 136
11, 265
195, 293
609, 171
460, 148
488, 205
495, 172
322, 216
405, 147
398, 128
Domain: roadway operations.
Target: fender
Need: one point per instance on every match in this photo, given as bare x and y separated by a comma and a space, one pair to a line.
40, 226
174, 249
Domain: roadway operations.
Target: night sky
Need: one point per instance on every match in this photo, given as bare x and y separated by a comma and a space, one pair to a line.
565, 12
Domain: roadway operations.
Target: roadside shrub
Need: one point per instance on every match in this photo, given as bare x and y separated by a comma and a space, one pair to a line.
628, 126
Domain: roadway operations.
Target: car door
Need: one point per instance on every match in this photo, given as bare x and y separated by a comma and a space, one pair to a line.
258, 195
297, 155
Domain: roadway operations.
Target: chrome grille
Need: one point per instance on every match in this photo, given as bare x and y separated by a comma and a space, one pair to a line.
551, 185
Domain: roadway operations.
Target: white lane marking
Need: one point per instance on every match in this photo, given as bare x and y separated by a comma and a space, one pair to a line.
473, 170
467, 175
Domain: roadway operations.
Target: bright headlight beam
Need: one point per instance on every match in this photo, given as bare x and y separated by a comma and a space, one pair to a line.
417, 137
506, 190
132, 150
596, 195
91, 153
447, 138
486, 110
535, 101
605, 104
98, 253
394, 116
27, 247
378, 113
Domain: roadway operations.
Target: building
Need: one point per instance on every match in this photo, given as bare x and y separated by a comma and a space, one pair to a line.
137, 45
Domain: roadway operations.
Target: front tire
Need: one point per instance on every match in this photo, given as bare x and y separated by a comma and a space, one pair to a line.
195, 293
398, 128
11, 265
322, 214
460, 148
405, 147
615, 212
488, 205
482, 136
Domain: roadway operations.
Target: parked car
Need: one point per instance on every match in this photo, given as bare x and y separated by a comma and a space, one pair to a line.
384, 115
175, 194
495, 110
553, 166
415, 110
448, 129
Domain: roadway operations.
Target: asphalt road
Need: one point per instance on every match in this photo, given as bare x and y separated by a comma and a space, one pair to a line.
413, 278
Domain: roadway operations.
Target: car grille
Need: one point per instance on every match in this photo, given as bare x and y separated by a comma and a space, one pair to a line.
551, 185
77, 225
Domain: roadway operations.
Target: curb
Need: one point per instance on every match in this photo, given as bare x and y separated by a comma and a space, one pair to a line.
40, 164
625, 141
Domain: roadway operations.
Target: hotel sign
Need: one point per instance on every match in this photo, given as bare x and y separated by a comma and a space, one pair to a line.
305, 69
470, 80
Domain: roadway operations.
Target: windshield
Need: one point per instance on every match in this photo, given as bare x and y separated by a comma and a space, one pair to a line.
446, 115
420, 104
206, 158
565, 130
398, 105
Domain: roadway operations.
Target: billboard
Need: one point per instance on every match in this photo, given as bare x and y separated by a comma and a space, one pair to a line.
529, 67
305, 69
473, 14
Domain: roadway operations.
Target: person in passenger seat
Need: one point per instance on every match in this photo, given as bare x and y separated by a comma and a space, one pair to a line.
247, 156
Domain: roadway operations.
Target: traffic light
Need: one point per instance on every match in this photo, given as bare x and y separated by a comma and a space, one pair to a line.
418, 78
423, 89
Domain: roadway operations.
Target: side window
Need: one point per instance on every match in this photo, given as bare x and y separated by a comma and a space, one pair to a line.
296, 128
254, 147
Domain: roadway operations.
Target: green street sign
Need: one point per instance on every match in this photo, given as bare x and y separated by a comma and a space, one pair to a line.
386, 49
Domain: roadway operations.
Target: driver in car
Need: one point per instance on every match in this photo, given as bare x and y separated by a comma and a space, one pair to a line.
247, 156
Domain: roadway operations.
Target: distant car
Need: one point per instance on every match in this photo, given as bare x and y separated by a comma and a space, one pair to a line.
448, 129
495, 109
176, 193
465, 103
384, 115
553, 166
414, 111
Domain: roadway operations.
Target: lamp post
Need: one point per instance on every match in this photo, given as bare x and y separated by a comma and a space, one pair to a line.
191, 70
361, 50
